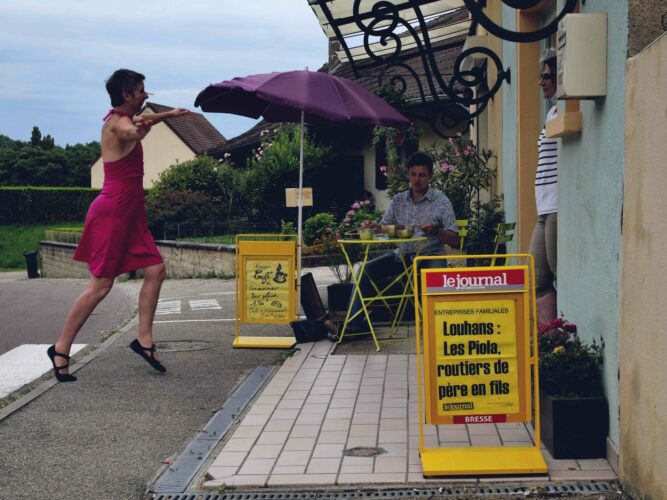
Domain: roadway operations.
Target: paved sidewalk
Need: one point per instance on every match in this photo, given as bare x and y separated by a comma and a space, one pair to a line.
320, 404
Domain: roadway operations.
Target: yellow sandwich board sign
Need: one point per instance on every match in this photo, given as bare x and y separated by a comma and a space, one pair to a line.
476, 349
265, 286
477, 363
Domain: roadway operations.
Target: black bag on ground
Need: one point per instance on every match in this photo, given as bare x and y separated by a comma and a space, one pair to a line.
308, 330
311, 302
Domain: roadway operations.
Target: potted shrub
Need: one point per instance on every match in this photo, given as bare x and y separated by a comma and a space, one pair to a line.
320, 237
574, 415
321, 234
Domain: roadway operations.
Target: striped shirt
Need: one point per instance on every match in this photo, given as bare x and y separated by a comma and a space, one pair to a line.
546, 177
434, 207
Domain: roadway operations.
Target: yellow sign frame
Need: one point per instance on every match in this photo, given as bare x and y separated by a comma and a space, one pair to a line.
479, 460
274, 256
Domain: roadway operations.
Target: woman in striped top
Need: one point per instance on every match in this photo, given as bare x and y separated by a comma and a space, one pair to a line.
543, 243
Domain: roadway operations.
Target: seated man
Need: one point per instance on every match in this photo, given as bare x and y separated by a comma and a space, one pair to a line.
432, 215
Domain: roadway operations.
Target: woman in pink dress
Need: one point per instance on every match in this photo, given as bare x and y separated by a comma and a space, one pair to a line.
115, 237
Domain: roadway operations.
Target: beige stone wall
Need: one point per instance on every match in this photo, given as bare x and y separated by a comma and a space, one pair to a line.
162, 148
643, 330
56, 261
188, 260
644, 23
183, 260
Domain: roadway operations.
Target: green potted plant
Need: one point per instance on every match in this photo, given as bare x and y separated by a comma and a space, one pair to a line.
321, 233
574, 415
320, 236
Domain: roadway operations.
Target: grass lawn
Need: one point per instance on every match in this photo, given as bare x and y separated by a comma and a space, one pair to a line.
222, 239
16, 239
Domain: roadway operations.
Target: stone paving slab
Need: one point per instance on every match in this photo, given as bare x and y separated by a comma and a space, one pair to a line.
320, 403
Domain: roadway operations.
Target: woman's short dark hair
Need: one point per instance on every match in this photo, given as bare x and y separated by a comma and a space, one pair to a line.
549, 58
122, 80
420, 158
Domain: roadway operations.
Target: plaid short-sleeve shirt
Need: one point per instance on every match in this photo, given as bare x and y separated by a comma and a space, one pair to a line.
434, 207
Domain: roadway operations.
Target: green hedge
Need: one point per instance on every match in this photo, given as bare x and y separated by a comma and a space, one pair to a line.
28, 205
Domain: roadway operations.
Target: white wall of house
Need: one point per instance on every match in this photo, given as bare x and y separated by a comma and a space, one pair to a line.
162, 148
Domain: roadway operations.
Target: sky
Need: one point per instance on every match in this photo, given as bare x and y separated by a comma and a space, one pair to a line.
55, 56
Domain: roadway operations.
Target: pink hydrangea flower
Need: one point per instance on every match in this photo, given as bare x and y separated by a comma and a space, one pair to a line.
446, 167
367, 202
347, 220
351, 212
356, 206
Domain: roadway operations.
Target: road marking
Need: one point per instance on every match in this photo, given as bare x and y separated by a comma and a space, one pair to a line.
204, 305
168, 307
25, 363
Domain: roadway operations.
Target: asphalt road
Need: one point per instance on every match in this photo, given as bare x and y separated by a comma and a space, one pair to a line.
106, 435
33, 311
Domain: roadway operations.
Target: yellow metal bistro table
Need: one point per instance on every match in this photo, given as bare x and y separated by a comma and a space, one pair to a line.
380, 295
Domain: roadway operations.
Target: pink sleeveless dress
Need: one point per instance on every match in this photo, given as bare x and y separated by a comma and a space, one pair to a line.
116, 239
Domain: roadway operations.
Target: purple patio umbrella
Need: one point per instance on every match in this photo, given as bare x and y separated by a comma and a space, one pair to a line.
300, 96
283, 97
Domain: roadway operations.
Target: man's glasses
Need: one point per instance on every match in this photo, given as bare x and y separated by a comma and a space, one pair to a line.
545, 77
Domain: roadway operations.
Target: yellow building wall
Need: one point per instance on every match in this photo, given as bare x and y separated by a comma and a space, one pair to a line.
162, 148
643, 330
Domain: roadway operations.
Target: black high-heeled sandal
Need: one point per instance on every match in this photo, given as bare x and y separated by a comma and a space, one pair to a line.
141, 351
61, 377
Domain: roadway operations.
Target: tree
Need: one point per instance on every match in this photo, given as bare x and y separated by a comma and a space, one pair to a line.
36, 137
48, 142
40, 162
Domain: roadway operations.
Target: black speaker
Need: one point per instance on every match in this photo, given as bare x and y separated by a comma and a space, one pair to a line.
308, 331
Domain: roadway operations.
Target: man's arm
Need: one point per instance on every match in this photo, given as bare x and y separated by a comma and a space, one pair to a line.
156, 118
445, 228
127, 131
450, 237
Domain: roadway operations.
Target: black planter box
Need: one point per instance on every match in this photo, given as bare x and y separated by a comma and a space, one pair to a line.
338, 296
574, 427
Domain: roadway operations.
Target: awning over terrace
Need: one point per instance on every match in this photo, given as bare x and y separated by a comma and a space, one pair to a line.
366, 28
400, 41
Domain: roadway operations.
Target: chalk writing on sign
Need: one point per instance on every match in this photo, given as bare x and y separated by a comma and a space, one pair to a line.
267, 289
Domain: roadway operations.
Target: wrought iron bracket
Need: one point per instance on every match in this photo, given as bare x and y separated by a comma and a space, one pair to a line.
384, 26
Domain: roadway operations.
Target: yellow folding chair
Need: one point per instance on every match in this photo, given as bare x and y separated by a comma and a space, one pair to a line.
462, 227
504, 234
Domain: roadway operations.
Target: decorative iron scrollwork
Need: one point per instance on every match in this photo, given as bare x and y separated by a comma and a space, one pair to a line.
389, 39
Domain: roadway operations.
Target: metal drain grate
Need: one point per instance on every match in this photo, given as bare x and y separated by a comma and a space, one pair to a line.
538, 490
178, 475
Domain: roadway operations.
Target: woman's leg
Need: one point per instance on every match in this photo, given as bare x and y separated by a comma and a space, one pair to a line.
83, 306
148, 297
538, 247
551, 245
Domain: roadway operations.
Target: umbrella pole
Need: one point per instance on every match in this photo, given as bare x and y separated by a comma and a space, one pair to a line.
300, 216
